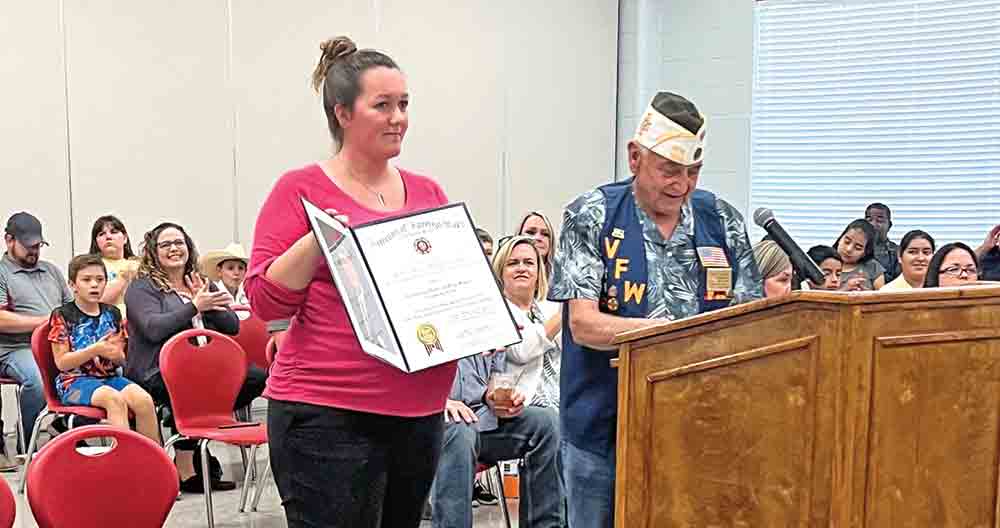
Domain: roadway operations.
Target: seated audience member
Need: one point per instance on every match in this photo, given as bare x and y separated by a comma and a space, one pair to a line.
830, 263
485, 426
954, 264
109, 239
989, 256
167, 297
886, 251
227, 268
537, 226
486, 241
915, 252
535, 361
856, 246
88, 346
30, 289
775, 268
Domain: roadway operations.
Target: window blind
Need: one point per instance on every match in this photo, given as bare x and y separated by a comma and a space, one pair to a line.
893, 101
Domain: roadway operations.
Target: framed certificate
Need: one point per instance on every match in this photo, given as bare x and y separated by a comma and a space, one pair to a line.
418, 288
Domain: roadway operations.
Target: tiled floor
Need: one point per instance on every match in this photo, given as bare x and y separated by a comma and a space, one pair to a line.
190, 510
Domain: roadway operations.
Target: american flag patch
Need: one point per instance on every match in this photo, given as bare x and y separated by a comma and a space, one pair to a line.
713, 257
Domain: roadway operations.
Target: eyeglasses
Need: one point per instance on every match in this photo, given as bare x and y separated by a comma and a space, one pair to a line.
179, 243
957, 271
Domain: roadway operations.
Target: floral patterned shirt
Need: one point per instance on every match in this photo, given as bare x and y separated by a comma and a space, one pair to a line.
673, 264
78, 330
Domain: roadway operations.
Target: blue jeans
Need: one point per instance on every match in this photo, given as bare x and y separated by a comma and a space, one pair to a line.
590, 487
20, 365
533, 436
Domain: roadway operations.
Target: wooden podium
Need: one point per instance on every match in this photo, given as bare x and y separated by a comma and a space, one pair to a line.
818, 409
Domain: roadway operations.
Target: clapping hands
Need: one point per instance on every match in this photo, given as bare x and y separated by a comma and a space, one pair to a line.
204, 299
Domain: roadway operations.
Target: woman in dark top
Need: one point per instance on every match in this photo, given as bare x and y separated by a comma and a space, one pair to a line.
954, 264
167, 297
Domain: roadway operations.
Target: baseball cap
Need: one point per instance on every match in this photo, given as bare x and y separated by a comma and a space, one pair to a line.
26, 229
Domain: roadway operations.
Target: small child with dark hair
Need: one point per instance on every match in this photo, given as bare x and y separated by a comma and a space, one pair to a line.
856, 247
830, 263
88, 344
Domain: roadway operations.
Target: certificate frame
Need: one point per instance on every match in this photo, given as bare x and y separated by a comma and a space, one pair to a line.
374, 304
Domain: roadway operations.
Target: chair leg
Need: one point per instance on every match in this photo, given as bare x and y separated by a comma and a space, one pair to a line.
260, 486
243, 456
21, 446
159, 421
245, 492
498, 475
207, 482
31, 447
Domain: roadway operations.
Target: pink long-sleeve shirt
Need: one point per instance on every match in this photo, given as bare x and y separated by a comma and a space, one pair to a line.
321, 361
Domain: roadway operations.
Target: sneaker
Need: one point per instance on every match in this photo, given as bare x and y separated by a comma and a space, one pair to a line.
482, 496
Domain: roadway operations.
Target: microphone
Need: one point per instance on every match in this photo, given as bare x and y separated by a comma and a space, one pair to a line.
764, 217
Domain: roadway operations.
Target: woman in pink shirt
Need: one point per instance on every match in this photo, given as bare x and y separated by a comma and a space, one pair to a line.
353, 441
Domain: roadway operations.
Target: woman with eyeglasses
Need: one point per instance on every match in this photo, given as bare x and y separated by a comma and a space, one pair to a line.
954, 264
167, 297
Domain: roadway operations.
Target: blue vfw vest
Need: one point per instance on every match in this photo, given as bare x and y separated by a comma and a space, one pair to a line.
588, 384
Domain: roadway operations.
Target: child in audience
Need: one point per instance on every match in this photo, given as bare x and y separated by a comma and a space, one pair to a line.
88, 345
856, 247
109, 238
227, 269
830, 264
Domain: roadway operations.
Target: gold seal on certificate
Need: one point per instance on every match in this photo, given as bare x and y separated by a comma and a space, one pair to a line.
428, 335
417, 287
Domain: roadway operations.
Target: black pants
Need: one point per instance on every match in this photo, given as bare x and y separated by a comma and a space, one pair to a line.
253, 386
340, 468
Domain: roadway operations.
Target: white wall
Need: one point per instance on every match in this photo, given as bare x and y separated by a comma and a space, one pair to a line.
703, 50
190, 110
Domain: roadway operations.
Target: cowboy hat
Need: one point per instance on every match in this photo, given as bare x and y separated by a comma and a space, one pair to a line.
208, 264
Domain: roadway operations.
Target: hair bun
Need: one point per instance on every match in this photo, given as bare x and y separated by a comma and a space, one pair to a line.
338, 47
333, 50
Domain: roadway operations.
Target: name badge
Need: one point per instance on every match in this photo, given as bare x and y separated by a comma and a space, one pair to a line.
718, 284
718, 273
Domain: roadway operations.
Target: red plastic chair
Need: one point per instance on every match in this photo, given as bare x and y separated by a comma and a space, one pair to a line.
134, 483
8, 507
252, 337
203, 382
41, 348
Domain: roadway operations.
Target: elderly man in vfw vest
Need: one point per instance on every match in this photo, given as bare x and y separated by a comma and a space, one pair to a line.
633, 254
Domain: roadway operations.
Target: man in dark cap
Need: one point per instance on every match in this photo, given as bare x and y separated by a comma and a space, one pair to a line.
30, 289
632, 254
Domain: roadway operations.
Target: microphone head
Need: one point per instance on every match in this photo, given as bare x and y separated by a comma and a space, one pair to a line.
762, 216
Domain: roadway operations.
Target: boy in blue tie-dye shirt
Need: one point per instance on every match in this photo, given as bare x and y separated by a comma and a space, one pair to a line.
88, 344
